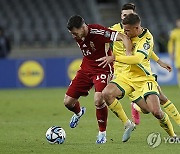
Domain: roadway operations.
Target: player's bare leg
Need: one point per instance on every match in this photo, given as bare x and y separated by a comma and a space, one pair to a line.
154, 105
110, 93
101, 115
169, 107
70, 103
143, 107
73, 105
136, 109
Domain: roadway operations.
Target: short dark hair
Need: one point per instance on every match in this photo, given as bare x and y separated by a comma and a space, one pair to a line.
131, 19
129, 6
75, 21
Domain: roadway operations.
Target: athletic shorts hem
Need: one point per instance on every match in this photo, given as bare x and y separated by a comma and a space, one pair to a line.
150, 93
122, 90
76, 95
136, 100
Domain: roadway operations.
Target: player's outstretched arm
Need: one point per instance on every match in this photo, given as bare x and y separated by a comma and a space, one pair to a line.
164, 65
134, 59
154, 57
128, 45
161, 63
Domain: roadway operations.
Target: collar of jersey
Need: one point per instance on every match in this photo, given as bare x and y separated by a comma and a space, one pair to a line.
121, 25
143, 33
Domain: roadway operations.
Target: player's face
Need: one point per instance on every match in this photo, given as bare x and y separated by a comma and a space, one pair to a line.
78, 32
131, 31
124, 13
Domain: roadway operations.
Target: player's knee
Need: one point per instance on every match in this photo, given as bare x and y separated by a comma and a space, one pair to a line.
106, 94
100, 105
98, 100
163, 99
157, 114
67, 101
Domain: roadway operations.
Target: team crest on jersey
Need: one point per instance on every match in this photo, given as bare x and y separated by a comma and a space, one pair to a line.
92, 45
146, 46
107, 34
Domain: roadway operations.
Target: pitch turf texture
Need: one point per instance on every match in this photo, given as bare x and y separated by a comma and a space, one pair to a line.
26, 114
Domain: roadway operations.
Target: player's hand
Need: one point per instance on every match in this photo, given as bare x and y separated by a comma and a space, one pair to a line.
164, 65
105, 60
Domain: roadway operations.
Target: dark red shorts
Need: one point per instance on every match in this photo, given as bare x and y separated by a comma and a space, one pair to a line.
83, 82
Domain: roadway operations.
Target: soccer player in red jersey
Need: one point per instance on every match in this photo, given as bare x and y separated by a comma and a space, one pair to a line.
93, 40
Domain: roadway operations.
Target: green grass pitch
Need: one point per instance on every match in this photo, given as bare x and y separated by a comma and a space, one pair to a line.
26, 114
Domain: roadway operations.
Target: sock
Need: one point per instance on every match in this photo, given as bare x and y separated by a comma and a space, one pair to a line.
128, 123
76, 109
137, 107
101, 115
117, 109
172, 111
178, 78
100, 132
165, 123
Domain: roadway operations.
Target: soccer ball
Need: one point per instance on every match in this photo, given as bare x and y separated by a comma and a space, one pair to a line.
55, 135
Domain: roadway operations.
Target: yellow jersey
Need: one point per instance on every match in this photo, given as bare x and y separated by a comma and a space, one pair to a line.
138, 42
118, 49
174, 45
142, 44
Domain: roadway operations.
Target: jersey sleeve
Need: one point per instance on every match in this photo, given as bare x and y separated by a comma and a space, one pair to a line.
105, 35
145, 47
135, 59
154, 57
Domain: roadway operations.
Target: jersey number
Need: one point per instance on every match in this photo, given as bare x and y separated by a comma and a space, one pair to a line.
102, 76
149, 84
86, 52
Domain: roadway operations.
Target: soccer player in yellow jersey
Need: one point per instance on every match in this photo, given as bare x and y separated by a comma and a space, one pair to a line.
118, 49
138, 78
174, 47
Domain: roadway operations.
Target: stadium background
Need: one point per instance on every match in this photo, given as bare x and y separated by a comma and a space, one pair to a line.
45, 55
37, 30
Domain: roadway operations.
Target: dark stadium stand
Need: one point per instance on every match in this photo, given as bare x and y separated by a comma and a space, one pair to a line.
42, 23
158, 15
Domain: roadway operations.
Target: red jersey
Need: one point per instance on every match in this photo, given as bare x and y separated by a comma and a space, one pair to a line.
94, 46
